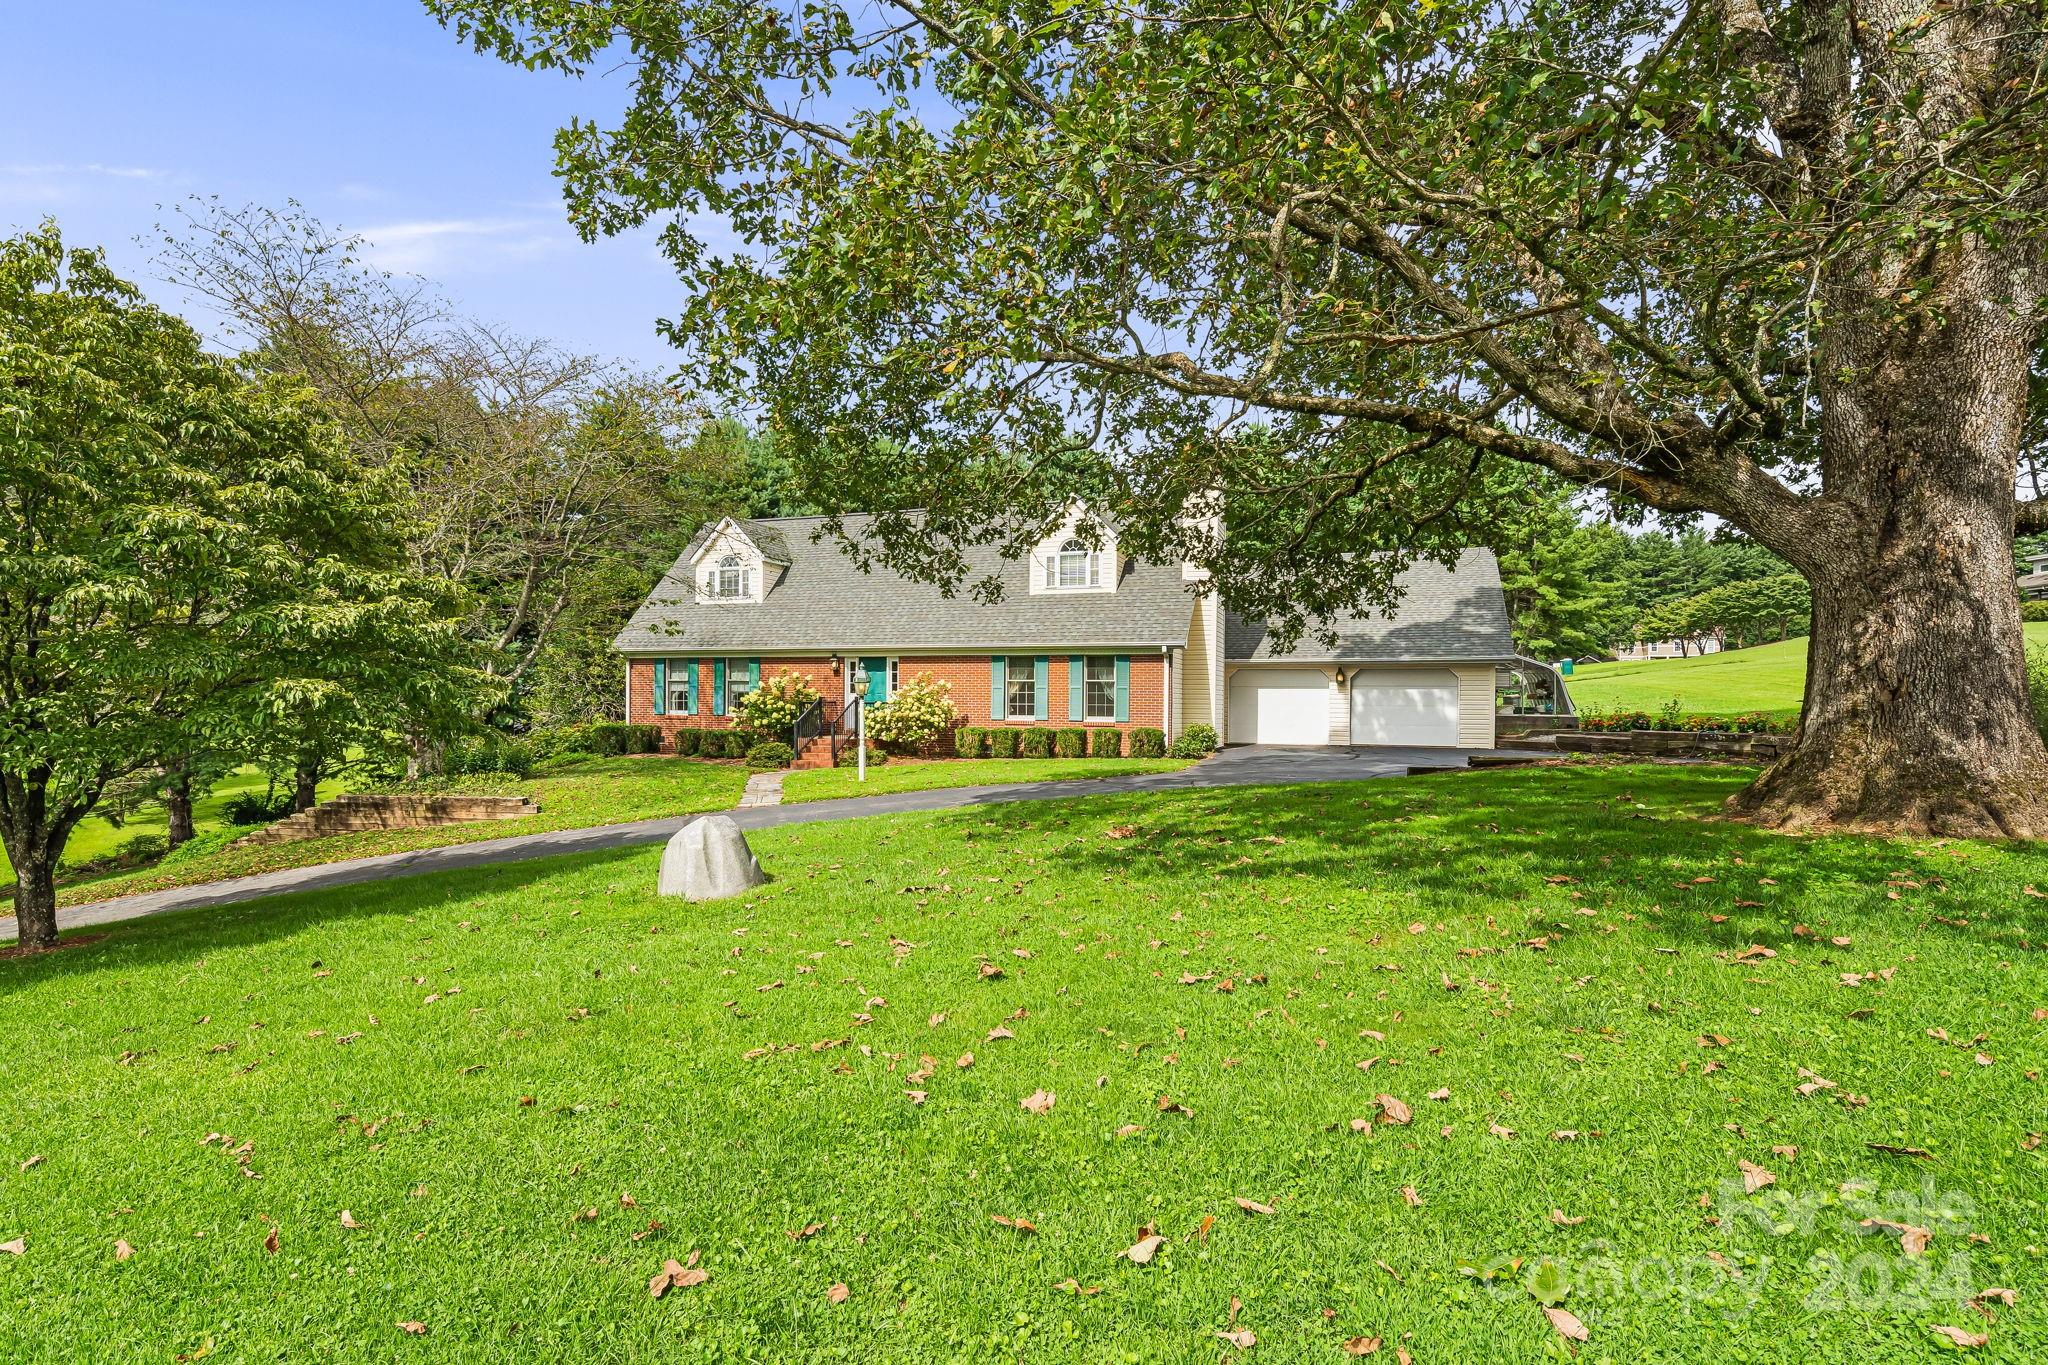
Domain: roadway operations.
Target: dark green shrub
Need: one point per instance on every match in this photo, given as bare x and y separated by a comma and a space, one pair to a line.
849, 756
970, 741
1105, 743
1070, 743
254, 808
687, 742
2034, 611
1147, 742
714, 743
1002, 742
487, 753
770, 753
1197, 741
611, 739
1034, 744
562, 739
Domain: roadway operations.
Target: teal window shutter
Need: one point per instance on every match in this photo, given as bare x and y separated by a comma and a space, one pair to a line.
1042, 680
661, 687
997, 708
1077, 688
753, 674
718, 687
1123, 687
690, 688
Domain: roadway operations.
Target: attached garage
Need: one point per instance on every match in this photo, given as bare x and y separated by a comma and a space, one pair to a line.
1415, 706
1279, 706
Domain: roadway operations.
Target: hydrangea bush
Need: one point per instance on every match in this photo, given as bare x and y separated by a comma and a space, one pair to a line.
917, 717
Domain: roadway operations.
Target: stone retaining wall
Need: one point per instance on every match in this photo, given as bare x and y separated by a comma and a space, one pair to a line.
370, 810
1675, 744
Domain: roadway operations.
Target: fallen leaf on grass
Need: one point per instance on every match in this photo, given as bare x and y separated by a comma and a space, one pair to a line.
270, 1242
1130, 1130
2008, 1297
1912, 1239
1168, 1105
998, 1033
1144, 1249
1119, 832
413, 1329
1564, 1220
1024, 1225
915, 1096
1252, 1205
1038, 1102
1391, 1110
1754, 1177
122, 1251
837, 1293
1502, 1133
1442, 1094
1361, 1346
807, 1230
1755, 952
1712, 1040
677, 1276
1893, 1150
16, 1247
1413, 1199
1075, 1287
33, 1162
966, 1060
1243, 1341
1966, 1339
348, 1220
990, 971
1567, 1325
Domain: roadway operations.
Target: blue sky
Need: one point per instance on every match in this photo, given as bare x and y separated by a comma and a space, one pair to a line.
366, 111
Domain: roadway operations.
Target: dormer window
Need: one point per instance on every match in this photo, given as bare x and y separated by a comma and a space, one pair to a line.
1074, 565
729, 579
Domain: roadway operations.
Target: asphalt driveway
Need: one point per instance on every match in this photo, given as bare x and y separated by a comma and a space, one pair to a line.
1246, 765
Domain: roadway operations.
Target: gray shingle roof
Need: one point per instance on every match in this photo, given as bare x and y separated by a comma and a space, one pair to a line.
824, 602
1444, 614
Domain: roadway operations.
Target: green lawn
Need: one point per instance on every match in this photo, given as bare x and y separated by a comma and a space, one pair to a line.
531, 1085
607, 791
95, 838
905, 775
1762, 678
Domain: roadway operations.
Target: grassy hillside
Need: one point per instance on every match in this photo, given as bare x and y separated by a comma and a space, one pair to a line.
1763, 678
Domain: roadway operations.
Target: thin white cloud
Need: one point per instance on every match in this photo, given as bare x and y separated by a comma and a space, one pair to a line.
449, 245
59, 170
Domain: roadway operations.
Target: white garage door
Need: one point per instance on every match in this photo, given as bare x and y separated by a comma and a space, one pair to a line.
1279, 706
1404, 706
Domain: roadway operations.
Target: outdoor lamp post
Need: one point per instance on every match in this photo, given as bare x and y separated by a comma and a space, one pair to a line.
860, 723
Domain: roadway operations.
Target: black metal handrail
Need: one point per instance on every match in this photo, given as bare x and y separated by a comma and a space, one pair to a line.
810, 723
848, 727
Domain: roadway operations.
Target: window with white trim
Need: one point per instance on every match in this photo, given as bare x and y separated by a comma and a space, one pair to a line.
678, 692
1020, 689
1100, 681
738, 683
895, 676
1073, 565
729, 579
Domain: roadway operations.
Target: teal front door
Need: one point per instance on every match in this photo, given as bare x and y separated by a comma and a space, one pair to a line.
878, 681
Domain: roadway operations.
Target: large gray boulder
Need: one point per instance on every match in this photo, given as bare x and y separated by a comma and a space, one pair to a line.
708, 860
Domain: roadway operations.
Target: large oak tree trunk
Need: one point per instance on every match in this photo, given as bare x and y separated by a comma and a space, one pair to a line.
1916, 716
34, 844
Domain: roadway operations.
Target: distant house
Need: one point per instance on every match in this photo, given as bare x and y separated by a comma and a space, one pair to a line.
1669, 649
1083, 635
2034, 582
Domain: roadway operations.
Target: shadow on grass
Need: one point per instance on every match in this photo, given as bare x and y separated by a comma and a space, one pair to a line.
1635, 841
1641, 840
182, 934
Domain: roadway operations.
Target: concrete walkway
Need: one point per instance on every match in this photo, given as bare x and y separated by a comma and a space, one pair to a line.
1237, 767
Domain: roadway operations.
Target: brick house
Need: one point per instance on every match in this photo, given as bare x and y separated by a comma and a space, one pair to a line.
1082, 636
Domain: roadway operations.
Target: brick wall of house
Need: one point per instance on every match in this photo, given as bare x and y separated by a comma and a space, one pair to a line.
968, 675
